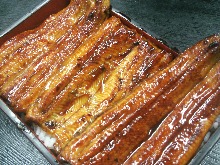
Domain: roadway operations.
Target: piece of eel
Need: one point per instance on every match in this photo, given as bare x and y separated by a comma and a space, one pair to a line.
112, 137
115, 88
19, 52
42, 73
179, 136
105, 50
107, 94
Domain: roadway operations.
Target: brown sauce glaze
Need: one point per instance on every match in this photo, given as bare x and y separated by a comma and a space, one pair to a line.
43, 40
145, 94
198, 98
45, 68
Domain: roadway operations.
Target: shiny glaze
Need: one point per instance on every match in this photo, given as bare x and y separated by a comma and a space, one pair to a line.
144, 60
114, 88
166, 102
152, 114
94, 49
40, 42
26, 89
181, 133
96, 69
104, 116
18, 41
106, 127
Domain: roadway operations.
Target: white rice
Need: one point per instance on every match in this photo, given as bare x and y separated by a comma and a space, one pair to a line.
215, 125
47, 139
207, 136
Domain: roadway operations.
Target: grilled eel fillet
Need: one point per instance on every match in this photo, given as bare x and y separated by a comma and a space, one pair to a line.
133, 134
74, 96
157, 61
22, 91
92, 49
98, 143
19, 41
35, 43
115, 41
117, 85
179, 136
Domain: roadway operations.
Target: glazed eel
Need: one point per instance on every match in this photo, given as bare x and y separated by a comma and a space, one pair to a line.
179, 136
23, 91
116, 87
100, 142
114, 42
19, 52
